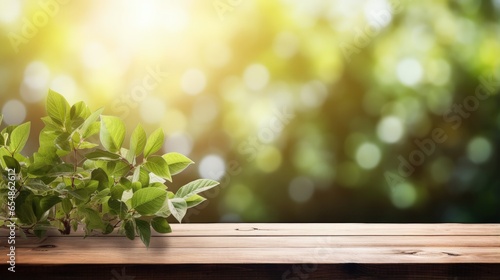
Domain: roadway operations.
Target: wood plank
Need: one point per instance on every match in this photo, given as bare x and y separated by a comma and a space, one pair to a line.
314, 229
373, 255
337, 229
374, 244
270, 251
74, 242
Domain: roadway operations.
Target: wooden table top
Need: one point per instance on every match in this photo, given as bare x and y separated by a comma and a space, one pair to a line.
274, 244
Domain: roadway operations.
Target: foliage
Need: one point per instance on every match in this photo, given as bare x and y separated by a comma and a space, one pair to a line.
82, 174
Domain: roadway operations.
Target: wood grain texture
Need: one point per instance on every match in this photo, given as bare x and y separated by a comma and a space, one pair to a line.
314, 229
283, 250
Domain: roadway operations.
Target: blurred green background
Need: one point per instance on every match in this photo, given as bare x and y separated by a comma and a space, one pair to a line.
305, 111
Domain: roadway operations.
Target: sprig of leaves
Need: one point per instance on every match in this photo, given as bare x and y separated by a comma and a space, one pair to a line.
75, 179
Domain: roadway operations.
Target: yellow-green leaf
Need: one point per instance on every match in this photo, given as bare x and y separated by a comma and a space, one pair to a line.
177, 162
154, 142
148, 201
19, 137
158, 166
112, 133
57, 107
160, 225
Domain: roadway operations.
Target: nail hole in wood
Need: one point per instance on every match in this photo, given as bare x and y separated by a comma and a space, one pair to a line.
247, 229
44, 247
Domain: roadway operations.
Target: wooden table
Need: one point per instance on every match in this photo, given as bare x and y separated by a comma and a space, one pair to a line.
269, 251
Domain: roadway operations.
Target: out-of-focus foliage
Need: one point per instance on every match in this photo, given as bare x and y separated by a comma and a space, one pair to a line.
305, 111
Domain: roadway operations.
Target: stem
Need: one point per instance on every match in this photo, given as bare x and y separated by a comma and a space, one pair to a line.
75, 164
116, 225
67, 225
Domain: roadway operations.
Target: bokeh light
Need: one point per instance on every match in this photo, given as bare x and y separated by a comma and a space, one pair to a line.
178, 142
390, 129
256, 76
479, 150
403, 195
153, 110
301, 189
212, 167
368, 155
35, 83
10, 11
300, 108
409, 71
193, 81
14, 112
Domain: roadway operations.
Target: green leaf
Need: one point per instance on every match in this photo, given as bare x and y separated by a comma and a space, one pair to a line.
100, 176
92, 218
129, 230
126, 183
36, 185
136, 186
195, 187
127, 198
89, 122
117, 191
48, 202
83, 193
75, 139
94, 128
74, 225
102, 155
78, 110
157, 185
158, 166
118, 208
86, 145
80, 194
178, 208
43, 204
112, 133
154, 142
40, 233
50, 125
61, 170
144, 230
177, 162
102, 195
19, 137
48, 137
7, 131
137, 143
24, 208
12, 163
108, 228
141, 175
164, 210
149, 200
3, 153
77, 114
67, 205
160, 225
117, 168
62, 142
194, 200
57, 107
170, 195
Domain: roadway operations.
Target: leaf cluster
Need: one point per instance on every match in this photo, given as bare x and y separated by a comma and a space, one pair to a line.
82, 175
